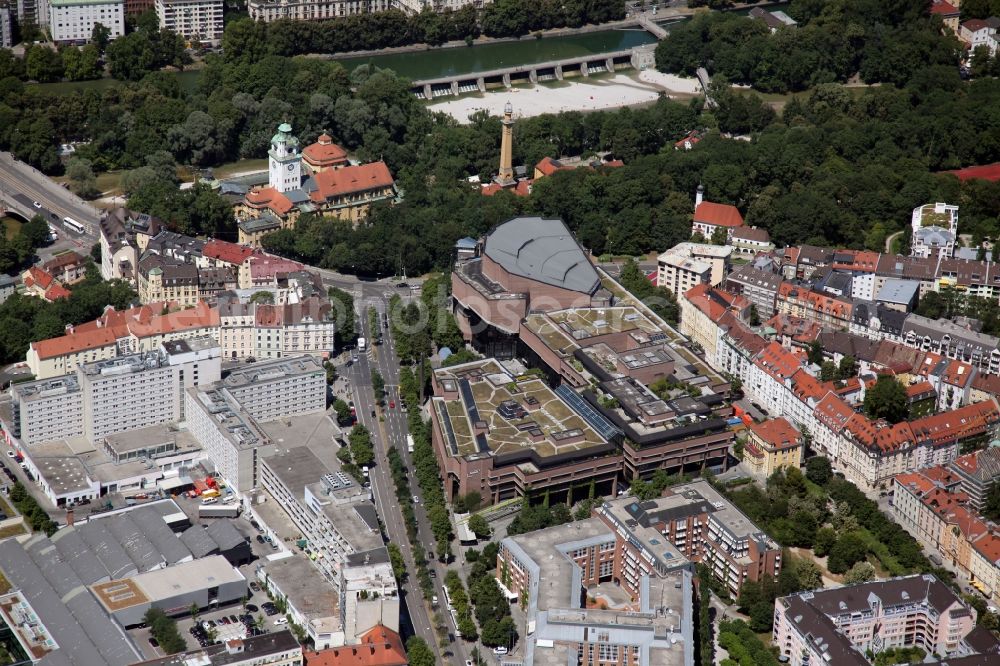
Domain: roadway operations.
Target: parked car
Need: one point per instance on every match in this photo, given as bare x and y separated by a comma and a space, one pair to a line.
280, 621
254, 586
153, 642
260, 539
251, 608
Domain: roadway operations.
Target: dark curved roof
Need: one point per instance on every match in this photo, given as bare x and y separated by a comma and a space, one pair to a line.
544, 251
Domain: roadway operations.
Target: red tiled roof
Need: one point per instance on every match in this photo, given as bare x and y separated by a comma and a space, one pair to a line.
268, 315
834, 412
338, 182
957, 373
267, 266
862, 261
380, 646
989, 172
987, 383
39, 277
721, 215
268, 197
805, 386
778, 433
776, 361
549, 166
63, 260
324, 153
989, 546
919, 389
944, 8
74, 342
975, 25
966, 421
231, 253
815, 301
56, 291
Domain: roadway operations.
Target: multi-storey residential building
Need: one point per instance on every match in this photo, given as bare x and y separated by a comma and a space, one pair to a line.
74, 20
828, 311
705, 527
978, 472
198, 20
167, 280
839, 625
934, 230
230, 437
702, 307
124, 237
769, 373
980, 32
67, 267
952, 340
948, 12
548, 572
7, 15
747, 242
224, 416
772, 445
294, 328
341, 525
689, 264
114, 395
312, 10
757, 286
115, 333
270, 390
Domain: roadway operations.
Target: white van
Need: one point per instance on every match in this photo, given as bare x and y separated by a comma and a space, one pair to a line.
209, 500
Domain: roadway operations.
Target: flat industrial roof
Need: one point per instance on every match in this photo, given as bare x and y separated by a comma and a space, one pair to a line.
166, 583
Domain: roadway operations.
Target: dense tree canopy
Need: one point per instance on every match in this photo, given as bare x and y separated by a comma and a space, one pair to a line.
840, 166
887, 400
893, 42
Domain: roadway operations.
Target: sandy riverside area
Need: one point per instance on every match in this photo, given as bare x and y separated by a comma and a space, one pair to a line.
574, 95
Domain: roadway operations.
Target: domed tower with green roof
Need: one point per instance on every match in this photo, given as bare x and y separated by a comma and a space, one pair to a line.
285, 163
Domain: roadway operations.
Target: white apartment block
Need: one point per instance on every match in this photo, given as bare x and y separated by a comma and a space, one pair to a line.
115, 395
223, 417
74, 20
687, 265
199, 20
298, 10
281, 388
227, 434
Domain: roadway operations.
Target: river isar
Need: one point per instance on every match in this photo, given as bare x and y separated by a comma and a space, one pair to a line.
441, 62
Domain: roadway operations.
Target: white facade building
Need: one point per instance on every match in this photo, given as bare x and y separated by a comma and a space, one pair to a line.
74, 20
934, 230
199, 20
312, 10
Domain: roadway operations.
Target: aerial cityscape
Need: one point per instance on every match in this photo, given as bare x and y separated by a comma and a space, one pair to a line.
499, 333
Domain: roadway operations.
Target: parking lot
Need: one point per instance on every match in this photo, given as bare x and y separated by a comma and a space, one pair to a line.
233, 620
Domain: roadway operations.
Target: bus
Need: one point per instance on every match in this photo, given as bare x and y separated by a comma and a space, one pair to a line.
409, 443
74, 225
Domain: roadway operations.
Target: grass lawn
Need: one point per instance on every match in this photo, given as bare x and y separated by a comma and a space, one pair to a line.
230, 168
107, 181
13, 530
10, 226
